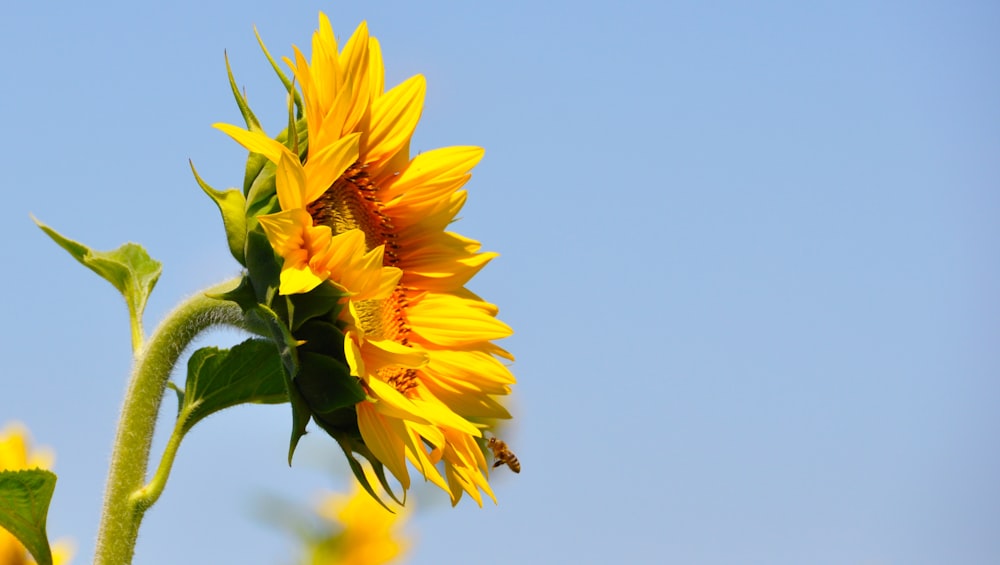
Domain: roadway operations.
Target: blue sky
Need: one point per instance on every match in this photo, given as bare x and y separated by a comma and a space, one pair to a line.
750, 254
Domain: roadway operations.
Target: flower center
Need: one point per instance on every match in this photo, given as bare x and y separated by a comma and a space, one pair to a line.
403, 380
352, 202
386, 318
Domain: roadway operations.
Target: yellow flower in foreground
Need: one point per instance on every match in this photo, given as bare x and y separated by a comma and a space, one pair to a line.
366, 534
16, 455
418, 340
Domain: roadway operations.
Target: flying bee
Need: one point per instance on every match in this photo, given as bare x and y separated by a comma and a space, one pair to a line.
501, 455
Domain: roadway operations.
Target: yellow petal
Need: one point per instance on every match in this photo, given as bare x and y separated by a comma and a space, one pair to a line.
255, 142
383, 436
446, 166
326, 164
424, 463
393, 404
385, 353
376, 68
290, 180
394, 117
448, 321
298, 280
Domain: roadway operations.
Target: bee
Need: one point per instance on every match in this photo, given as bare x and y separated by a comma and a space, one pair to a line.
501, 455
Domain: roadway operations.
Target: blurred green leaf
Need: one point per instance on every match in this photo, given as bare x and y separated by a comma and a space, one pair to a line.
24, 507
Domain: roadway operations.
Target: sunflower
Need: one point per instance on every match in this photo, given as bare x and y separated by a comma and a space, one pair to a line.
357, 211
17, 455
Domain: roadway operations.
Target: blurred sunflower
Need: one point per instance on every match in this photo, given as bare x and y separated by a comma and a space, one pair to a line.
362, 532
17, 455
358, 212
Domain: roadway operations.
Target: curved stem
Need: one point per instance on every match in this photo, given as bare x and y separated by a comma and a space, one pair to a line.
129, 458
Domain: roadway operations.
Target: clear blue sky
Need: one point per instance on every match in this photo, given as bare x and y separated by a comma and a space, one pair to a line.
750, 254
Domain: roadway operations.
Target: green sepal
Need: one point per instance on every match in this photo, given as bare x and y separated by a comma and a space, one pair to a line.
292, 131
129, 268
255, 162
232, 205
249, 373
253, 124
263, 267
243, 295
256, 166
287, 350
302, 138
323, 337
259, 183
320, 302
281, 74
24, 508
351, 444
300, 418
262, 195
326, 384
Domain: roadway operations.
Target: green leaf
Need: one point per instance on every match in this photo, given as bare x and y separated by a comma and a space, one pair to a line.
24, 506
232, 205
218, 379
129, 268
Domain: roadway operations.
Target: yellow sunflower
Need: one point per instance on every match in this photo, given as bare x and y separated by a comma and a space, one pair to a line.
365, 216
16, 455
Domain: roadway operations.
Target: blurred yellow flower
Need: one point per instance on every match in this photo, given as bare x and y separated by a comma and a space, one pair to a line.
17, 455
363, 532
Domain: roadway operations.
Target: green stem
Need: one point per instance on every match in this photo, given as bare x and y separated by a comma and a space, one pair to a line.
122, 513
135, 322
147, 496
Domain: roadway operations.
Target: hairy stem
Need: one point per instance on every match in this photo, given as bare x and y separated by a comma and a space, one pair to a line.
129, 459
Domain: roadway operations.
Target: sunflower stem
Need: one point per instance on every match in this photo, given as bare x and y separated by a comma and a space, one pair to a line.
124, 504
